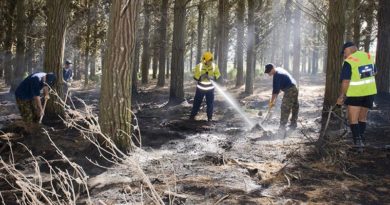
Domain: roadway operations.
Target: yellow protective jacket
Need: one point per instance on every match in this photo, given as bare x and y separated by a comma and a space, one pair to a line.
212, 71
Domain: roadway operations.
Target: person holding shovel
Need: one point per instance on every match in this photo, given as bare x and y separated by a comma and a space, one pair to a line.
204, 72
283, 81
27, 95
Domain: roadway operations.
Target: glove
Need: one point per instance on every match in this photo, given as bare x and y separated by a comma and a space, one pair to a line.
68, 84
204, 76
47, 97
270, 105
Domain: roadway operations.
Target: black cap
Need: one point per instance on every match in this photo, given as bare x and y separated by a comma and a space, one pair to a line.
347, 45
68, 62
50, 78
268, 68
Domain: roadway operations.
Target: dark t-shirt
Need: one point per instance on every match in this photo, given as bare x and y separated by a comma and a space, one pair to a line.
346, 72
67, 74
281, 81
29, 87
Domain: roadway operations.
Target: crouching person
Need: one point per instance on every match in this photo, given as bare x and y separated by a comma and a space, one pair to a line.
27, 96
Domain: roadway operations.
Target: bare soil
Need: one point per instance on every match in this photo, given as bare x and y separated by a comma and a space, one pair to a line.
219, 162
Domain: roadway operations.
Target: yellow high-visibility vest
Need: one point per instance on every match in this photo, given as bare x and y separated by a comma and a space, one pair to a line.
212, 71
363, 75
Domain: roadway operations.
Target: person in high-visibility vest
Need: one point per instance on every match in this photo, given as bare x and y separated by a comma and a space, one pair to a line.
358, 89
204, 73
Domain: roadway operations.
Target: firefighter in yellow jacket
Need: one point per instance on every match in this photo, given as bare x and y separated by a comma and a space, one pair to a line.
358, 85
204, 73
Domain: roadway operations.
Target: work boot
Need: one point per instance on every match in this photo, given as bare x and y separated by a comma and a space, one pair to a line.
360, 145
293, 125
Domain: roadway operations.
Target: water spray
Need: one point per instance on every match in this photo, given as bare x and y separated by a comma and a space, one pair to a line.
233, 103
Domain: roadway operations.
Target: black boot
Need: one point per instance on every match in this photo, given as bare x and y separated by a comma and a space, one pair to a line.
362, 129
355, 133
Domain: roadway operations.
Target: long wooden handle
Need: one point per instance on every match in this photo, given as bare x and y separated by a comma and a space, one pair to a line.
44, 107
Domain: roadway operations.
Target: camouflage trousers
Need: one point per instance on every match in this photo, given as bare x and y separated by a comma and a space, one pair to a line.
27, 110
289, 105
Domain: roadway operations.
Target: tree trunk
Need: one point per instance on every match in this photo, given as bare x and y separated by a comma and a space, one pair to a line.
201, 9
155, 55
163, 43
369, 12
19, 66
240, 43
222, 36
115, 98
297, 44
176, 94
287, 33
145, 63
383, 47
87, 42
57, 12
335, 30
94, 44
250, 49
356, 22
191, 50
135, 63
8, 41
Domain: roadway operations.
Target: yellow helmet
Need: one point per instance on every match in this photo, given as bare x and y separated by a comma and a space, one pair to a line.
207, 56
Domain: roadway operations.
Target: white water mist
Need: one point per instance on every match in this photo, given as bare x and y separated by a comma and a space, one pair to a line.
233, 103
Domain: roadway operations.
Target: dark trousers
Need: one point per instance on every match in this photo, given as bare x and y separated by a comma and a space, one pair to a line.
289, 105
199, 95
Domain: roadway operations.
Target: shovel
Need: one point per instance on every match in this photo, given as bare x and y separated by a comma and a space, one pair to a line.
259, 126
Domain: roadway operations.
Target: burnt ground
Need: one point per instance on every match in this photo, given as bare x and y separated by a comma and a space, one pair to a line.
224, 161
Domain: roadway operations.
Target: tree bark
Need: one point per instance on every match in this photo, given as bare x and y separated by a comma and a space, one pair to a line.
176, 94
163, 43
8, 41
57, 12
87, 42
115, 98
19, 66
335, 30
201, 9
222, 36
145, 63
356, 22
135, 63
250, 49
297, 44
369, 12
287, 33
383, 47
240, 43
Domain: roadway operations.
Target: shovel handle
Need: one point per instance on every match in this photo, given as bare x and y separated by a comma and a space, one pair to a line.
44, 107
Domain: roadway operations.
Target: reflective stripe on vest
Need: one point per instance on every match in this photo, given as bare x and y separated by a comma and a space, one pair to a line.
362, 81
205, 85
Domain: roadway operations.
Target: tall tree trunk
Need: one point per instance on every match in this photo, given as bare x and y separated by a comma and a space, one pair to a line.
191, 50
94, 44
383, 47
87, 44
8, 41
19, 66
57, 12
201, 9
155, 55
250, 49
240, 43
287, 33
145, 62
115, 98
297, 44
335, 30
356, 22
176, 94
163, 43
222, 36
369, 12
135, 63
